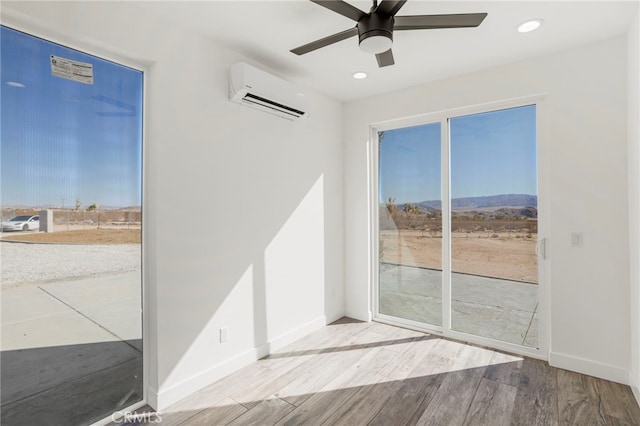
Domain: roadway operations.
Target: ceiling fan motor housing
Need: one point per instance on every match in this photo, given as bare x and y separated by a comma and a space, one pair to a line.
375, 29
375, 24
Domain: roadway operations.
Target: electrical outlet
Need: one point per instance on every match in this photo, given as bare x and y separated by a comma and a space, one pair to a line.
224, 334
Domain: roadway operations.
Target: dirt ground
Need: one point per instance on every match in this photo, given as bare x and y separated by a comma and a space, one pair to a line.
86, 236
502, 255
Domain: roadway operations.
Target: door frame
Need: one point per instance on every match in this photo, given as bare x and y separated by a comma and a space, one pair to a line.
442, 117
36, 28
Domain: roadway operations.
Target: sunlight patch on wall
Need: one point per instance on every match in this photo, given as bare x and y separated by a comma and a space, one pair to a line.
294, 265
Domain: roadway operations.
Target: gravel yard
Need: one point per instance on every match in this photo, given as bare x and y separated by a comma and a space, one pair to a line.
30, 263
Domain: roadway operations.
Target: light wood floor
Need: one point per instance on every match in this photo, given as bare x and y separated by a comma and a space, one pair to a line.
354, 373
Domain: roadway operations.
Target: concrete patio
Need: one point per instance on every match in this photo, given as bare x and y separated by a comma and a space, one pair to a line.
490, 307
61, 339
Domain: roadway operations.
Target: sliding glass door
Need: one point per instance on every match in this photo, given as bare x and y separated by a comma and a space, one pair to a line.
457, 225
494, 215
410, 233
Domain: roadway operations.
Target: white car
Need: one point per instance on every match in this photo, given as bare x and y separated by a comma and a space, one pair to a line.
22, 223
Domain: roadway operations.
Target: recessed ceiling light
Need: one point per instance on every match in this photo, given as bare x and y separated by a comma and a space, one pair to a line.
360, 75
530, 25
15, 84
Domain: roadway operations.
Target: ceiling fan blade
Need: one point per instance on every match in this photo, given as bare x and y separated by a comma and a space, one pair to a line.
427, 22
385, 58
342, 8
314, 45
390, 7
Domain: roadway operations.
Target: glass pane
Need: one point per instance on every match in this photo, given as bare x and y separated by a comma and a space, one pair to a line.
71, 154
410, 210
494, 225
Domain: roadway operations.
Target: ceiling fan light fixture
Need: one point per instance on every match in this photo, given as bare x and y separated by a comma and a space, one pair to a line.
530, 25
376, 43
375, 33
375, 29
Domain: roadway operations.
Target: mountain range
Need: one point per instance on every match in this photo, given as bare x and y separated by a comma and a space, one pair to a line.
489, 201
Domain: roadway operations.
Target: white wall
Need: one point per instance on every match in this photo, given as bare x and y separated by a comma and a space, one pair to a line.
586, 112
633, 48
243, 210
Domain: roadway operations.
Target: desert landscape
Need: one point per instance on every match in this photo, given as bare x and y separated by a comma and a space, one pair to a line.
80, 236
496, 241
84, 244
504, 256
79, 226
491, 236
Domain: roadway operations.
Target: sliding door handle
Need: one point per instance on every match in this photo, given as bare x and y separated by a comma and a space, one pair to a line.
541, 248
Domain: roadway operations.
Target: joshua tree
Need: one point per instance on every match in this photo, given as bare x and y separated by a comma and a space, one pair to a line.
411, 210
425, 224
391, 205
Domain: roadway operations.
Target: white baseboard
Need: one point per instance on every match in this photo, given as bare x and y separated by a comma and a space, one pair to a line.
636, 393
365, 316
152, 397
293, 335
589, 367
335, 317
162, 399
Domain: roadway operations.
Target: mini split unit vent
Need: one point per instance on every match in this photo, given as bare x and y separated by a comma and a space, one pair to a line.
257, 89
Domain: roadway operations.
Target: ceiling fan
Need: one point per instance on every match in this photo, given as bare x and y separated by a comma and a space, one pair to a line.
375, 29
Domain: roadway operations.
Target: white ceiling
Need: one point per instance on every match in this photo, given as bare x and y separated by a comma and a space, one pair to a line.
266, 31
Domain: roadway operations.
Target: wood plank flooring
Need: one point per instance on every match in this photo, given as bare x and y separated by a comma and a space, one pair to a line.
355, 373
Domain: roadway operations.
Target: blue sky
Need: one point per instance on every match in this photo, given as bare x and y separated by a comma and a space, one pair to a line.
490, 153
410, 164
65, 140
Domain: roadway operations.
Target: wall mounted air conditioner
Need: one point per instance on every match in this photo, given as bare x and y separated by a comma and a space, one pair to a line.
255, 88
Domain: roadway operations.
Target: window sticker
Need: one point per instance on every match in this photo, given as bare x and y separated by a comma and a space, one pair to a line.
72, 70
